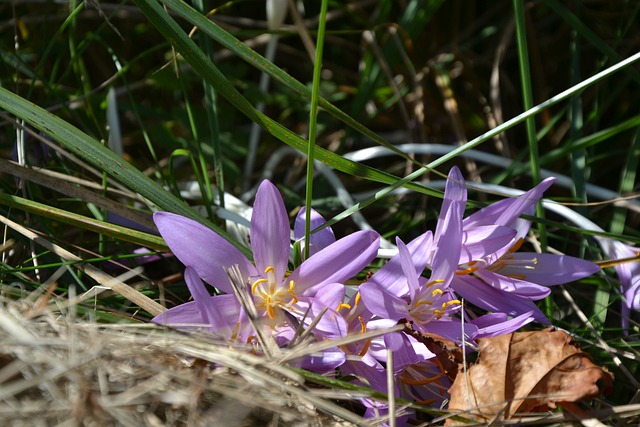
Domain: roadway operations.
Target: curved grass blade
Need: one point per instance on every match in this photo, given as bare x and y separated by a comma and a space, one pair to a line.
261, 63
102, 158
208, 71
85, 223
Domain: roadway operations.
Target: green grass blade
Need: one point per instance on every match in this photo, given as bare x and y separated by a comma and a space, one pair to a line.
261, 63
208, 71
102, 158
313, 121
527, 97
84, 222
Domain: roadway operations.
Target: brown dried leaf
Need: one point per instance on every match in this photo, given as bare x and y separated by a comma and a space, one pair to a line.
525, 372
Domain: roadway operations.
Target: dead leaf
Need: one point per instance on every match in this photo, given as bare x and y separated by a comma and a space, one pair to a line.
525, 372
446, 351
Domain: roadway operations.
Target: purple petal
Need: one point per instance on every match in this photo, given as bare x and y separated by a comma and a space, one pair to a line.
382, 303
408, 269
369, 370
223, 312
448, 244
337, 262
391, 276
403, 353
331, 295
187, 313
455, 197
202, 249
270, 232
489, 298
332, 325
494, 324
199, 293
317, 241
452, 329
516, 287
548, 269
322, 362
506, 211
480, 242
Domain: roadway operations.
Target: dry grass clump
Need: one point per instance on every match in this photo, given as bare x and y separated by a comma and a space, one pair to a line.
59, 370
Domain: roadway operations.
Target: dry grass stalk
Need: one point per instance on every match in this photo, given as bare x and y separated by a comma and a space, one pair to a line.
55, 371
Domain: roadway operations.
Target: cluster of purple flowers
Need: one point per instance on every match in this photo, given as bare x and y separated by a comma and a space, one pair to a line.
474, 260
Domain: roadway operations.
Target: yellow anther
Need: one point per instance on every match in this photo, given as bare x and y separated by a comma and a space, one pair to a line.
292, 284
436, 292
434, 282
516, 245
423, 381
357, 300
423, 302
269, 269
448, 303
365, 348
255, 285
363, 326
343, 305
467, 270
271, 312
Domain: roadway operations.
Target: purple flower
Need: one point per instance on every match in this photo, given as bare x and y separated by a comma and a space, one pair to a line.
508, 281
628, 274
315, 284
317, 241
400, 292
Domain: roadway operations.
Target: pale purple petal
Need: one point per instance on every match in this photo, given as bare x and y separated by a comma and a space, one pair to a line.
270, 232
494, 324
403, 353
199, 293
331, 295
391, 277
489, 298
223, 312
187, 313
337, 262
549, 269
318, 240
480, 242
202, 249
331, 325
453, 330
632, 295
408, 269
321, 362
226, 314
448, 246
506, 211
455, 196
368, 370
516, 287
382, 303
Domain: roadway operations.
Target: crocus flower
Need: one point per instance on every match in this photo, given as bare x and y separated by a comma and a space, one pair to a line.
506, 280
318, 240
414, 298
315, 284
628, 274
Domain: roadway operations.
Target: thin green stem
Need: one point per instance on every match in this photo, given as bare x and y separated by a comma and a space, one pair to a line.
313, 120
527, 97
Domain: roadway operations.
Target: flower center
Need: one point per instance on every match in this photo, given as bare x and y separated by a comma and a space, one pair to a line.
514, 268
431, 303
270, 294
